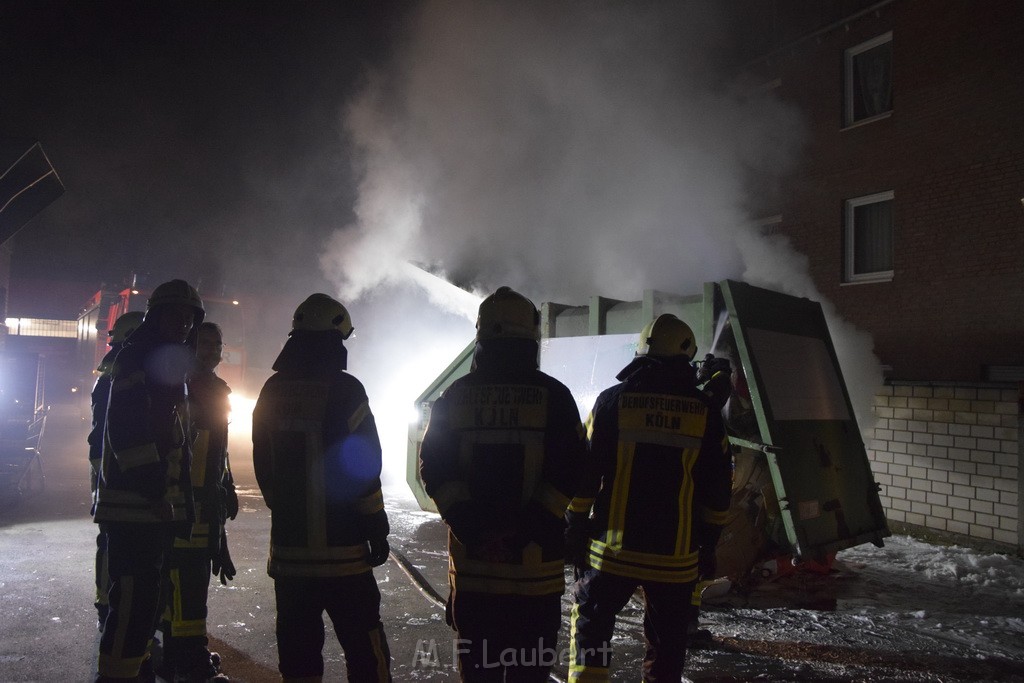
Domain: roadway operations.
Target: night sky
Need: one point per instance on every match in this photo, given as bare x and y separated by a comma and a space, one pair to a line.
194, 139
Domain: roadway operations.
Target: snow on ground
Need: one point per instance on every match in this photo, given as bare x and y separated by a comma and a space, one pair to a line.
909, 611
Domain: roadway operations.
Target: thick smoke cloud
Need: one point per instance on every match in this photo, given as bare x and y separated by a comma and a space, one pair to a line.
563, 148
566, 149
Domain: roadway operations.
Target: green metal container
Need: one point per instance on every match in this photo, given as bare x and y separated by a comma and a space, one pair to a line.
803, 484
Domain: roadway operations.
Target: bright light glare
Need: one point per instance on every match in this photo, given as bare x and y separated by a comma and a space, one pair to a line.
240, 415
394, 401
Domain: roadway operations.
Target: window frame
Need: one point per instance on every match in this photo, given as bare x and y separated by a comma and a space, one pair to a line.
848, 101
849, 239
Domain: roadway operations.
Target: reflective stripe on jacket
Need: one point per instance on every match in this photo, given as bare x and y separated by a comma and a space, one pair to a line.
658, 476
317, 459
144, 469
500, 458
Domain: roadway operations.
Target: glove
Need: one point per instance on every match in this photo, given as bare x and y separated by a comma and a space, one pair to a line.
707, 565
577, 541
379, 551
222, 565
230, 500
712, 366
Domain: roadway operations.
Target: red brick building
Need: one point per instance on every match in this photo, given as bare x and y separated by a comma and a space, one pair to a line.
907, 200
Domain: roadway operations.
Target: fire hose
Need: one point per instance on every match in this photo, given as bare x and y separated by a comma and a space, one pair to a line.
430, 593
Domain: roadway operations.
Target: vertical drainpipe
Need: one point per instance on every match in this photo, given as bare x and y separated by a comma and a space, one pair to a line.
1020, 466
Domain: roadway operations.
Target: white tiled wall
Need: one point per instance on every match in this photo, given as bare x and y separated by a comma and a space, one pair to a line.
947, 459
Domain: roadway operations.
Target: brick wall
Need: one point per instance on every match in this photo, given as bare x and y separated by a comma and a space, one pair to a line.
952, 153
947, 459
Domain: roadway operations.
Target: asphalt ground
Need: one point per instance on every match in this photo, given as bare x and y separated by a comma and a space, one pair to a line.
856, 624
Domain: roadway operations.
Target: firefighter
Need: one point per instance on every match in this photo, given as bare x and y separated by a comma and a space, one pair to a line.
317, 460
144, 495
500, 458
123, 326
653, 498
186, 654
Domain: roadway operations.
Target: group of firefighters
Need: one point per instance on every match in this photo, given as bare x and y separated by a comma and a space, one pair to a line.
636, 498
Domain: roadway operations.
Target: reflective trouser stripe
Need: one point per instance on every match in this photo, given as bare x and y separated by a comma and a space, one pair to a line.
115, 663
379, 654
180, 626
579, 670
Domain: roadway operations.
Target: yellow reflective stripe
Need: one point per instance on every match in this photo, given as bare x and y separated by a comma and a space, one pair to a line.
505, 436
200, 450
542, 570
551, 499
450, 493
718, 517
533, 466
684, 525
367, 505
581, 505
683, 560
581, 673
378, 655
612, 565
200, 537
174, 576
116, 667
698, 592
333, 553
130, 458
357, 417
480, 584
316, 490
276, 568
186, 629
114, 664
660, 438
620, 494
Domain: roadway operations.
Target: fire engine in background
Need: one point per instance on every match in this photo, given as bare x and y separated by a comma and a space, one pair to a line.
106, 306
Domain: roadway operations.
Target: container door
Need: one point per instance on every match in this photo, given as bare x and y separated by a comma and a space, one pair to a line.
802, 417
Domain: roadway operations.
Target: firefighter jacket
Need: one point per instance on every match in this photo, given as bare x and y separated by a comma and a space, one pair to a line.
658, 477
500, 458
211, 476
144, 469
317, 459
99, 398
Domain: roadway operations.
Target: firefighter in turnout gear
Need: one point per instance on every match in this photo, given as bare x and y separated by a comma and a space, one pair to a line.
500, 458
144, 494
317, 459
186, 656
123, 326
653, 498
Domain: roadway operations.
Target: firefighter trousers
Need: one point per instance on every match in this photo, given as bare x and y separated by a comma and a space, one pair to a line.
102, 579
185, 644
136, 561
353, 604
598, 598
511, 638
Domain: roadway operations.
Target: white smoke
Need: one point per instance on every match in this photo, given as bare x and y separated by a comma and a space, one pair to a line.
566, 149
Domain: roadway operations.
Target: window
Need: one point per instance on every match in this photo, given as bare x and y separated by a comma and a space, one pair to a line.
868, 238
868, 80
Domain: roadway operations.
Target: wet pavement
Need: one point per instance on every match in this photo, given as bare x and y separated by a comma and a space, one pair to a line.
857, 623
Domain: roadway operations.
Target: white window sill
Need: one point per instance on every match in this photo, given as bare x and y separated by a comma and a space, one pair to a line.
864, 122
873, 279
